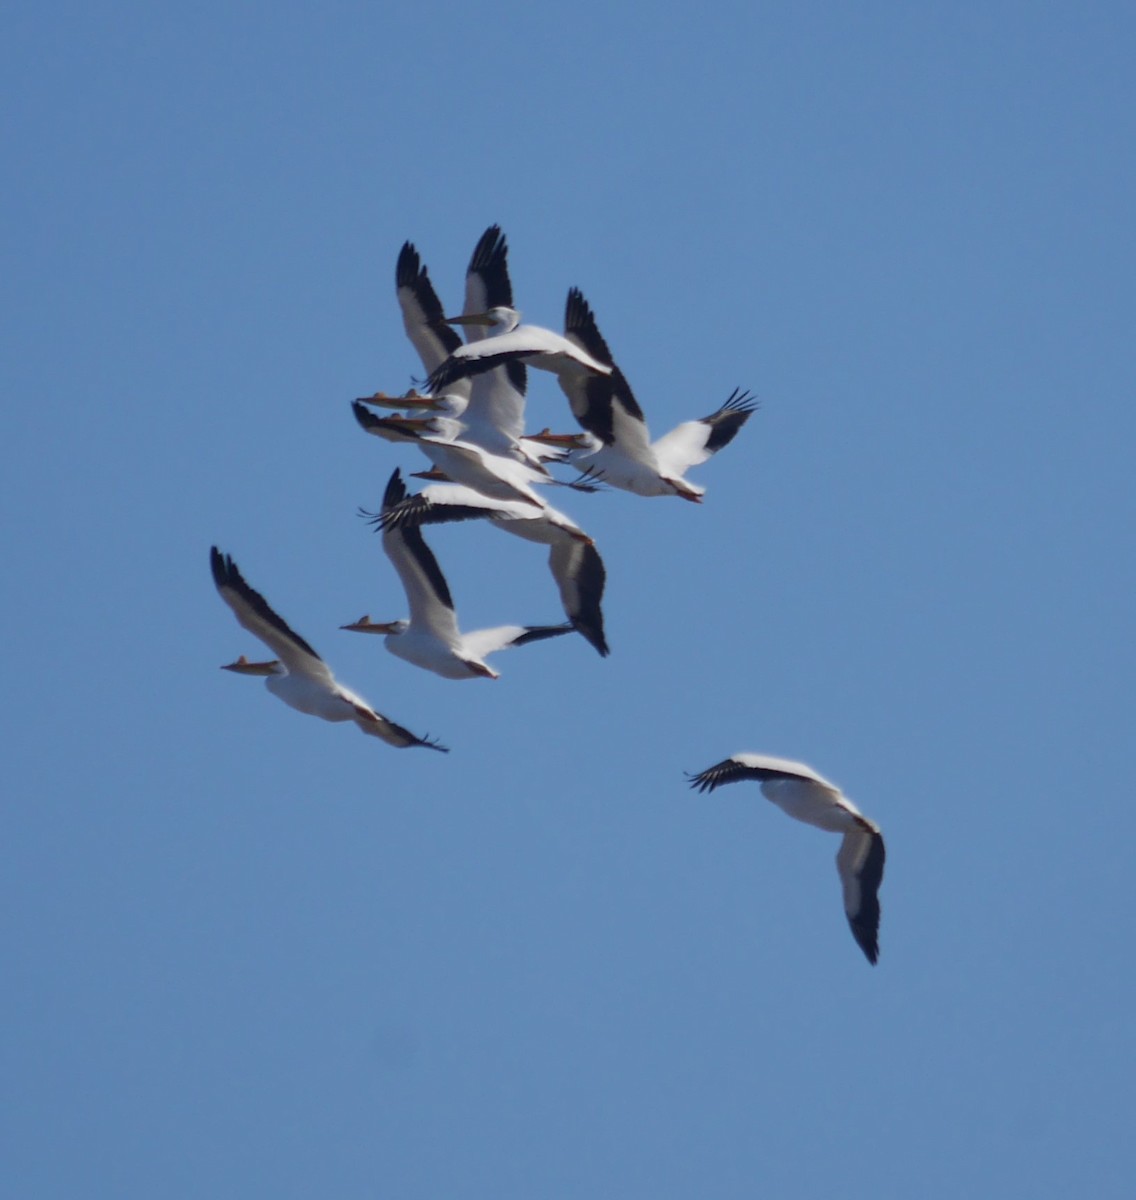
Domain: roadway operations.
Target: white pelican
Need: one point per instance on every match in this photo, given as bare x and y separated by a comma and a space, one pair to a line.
491, 406
431, 638
617, 447
575, 563
298, 675
510, 341
807, 796
439, 438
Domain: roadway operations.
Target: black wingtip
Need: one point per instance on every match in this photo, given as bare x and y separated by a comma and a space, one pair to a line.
409, 266
363, 415
395, 491
491, 249
703, 781
580, 321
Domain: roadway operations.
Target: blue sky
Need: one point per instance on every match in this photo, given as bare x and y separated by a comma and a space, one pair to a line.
250, 953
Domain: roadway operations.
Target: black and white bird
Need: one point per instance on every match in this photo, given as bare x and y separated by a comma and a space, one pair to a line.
616, 447
431, 638
490, 405
298, 675
505, 340
573, 559
802, 793
441, 439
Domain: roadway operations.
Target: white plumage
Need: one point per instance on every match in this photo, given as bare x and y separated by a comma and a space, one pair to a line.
806, 796
431, 638
575, 563
298, 675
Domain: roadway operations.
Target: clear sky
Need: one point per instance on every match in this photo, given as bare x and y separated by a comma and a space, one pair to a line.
248, 953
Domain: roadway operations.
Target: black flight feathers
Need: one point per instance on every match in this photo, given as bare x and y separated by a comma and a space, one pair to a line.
227, 577
580, 323
412, 275
730, 771
725, 423
491, 262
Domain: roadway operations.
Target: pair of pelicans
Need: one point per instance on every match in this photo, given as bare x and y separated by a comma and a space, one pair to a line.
473, 434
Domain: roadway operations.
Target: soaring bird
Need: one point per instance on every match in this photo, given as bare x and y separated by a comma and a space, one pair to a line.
491, 405
440, 439
511, 342
809, 797
298, 675
575, 563
431, 638
617, 446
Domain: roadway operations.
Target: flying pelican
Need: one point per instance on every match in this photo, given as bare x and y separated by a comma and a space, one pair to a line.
491, 406
298, 675
807, 796
617, 447
510, 341
431, 638
575, 563
439, 438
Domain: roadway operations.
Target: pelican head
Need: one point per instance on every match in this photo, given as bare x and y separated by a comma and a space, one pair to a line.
366, 625
243, 667
501, 318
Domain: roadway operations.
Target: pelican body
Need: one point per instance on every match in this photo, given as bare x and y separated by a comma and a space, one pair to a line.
575, 563
616, 447
806, 796
298, 676
430, 638
510, 341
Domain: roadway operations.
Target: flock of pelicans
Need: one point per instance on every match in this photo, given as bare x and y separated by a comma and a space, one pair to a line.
469, 422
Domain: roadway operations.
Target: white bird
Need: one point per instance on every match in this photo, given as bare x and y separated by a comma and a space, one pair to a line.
431, 638
439, 438
298, 675
573, 559
617, 446
807, 796
491, 406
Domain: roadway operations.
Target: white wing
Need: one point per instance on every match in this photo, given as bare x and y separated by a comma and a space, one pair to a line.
427, 593
496, 412
693, 442
860, 864
422, 313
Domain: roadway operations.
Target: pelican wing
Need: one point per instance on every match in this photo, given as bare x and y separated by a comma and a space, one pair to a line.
427, 593
487, 282
497, 350
758, 767
496, 412
693, 442
580, 575
383, 427
860, 864
442, 503
374, 723
481, 642
255, 614
422, 312
603, 404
